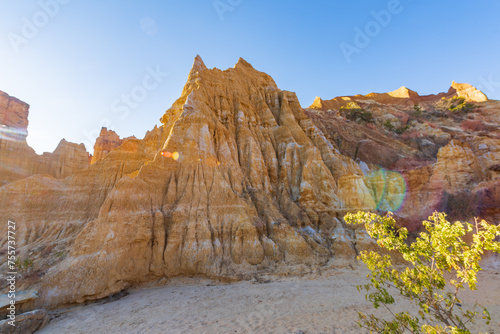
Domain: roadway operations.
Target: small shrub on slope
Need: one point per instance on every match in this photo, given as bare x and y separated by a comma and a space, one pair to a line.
357, 114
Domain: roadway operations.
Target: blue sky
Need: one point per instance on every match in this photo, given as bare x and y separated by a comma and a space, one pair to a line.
74, 61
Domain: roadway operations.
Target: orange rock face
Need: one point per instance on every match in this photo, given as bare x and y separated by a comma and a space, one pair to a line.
249, 183
241, 179
469, 92
13, 116
107, 141
18, 160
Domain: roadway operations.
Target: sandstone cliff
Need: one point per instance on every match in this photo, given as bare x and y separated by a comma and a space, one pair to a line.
240, 179
18, 160
256, 186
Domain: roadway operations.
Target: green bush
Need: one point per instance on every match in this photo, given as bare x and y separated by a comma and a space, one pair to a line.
24, 266
417, 111
357, 114
440, 263
388, 125
456, 104
417, 108
402, 129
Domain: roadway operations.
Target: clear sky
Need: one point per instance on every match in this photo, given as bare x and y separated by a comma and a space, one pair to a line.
75, 62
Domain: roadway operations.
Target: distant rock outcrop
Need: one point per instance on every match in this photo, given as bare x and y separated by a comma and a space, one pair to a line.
402, 96
13, 117
18, 160
107, 141
469, 92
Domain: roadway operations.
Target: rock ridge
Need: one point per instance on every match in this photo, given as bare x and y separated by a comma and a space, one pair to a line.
403, 96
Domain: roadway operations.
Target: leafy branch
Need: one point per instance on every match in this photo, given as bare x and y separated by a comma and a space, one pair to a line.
440, 250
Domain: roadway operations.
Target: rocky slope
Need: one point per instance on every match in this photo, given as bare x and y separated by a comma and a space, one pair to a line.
443, 149
240, 179
403, 96
18, 160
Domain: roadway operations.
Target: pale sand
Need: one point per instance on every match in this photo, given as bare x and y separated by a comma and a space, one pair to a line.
317, 303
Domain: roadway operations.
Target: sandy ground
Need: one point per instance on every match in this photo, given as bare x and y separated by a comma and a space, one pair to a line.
319, 303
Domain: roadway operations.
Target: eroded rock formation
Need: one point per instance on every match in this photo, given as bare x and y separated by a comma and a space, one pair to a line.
107, 141
445, 154
256, 186
18, 160
240, 179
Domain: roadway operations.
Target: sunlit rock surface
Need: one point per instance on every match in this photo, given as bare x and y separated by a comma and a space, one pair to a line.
240, 179
18, 160
446, 158
107, 141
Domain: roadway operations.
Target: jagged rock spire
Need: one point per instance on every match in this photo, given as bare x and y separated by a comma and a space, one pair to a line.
243, 62
198, 66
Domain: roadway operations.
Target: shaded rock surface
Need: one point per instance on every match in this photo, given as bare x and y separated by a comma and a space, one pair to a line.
26, 323
24, 301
